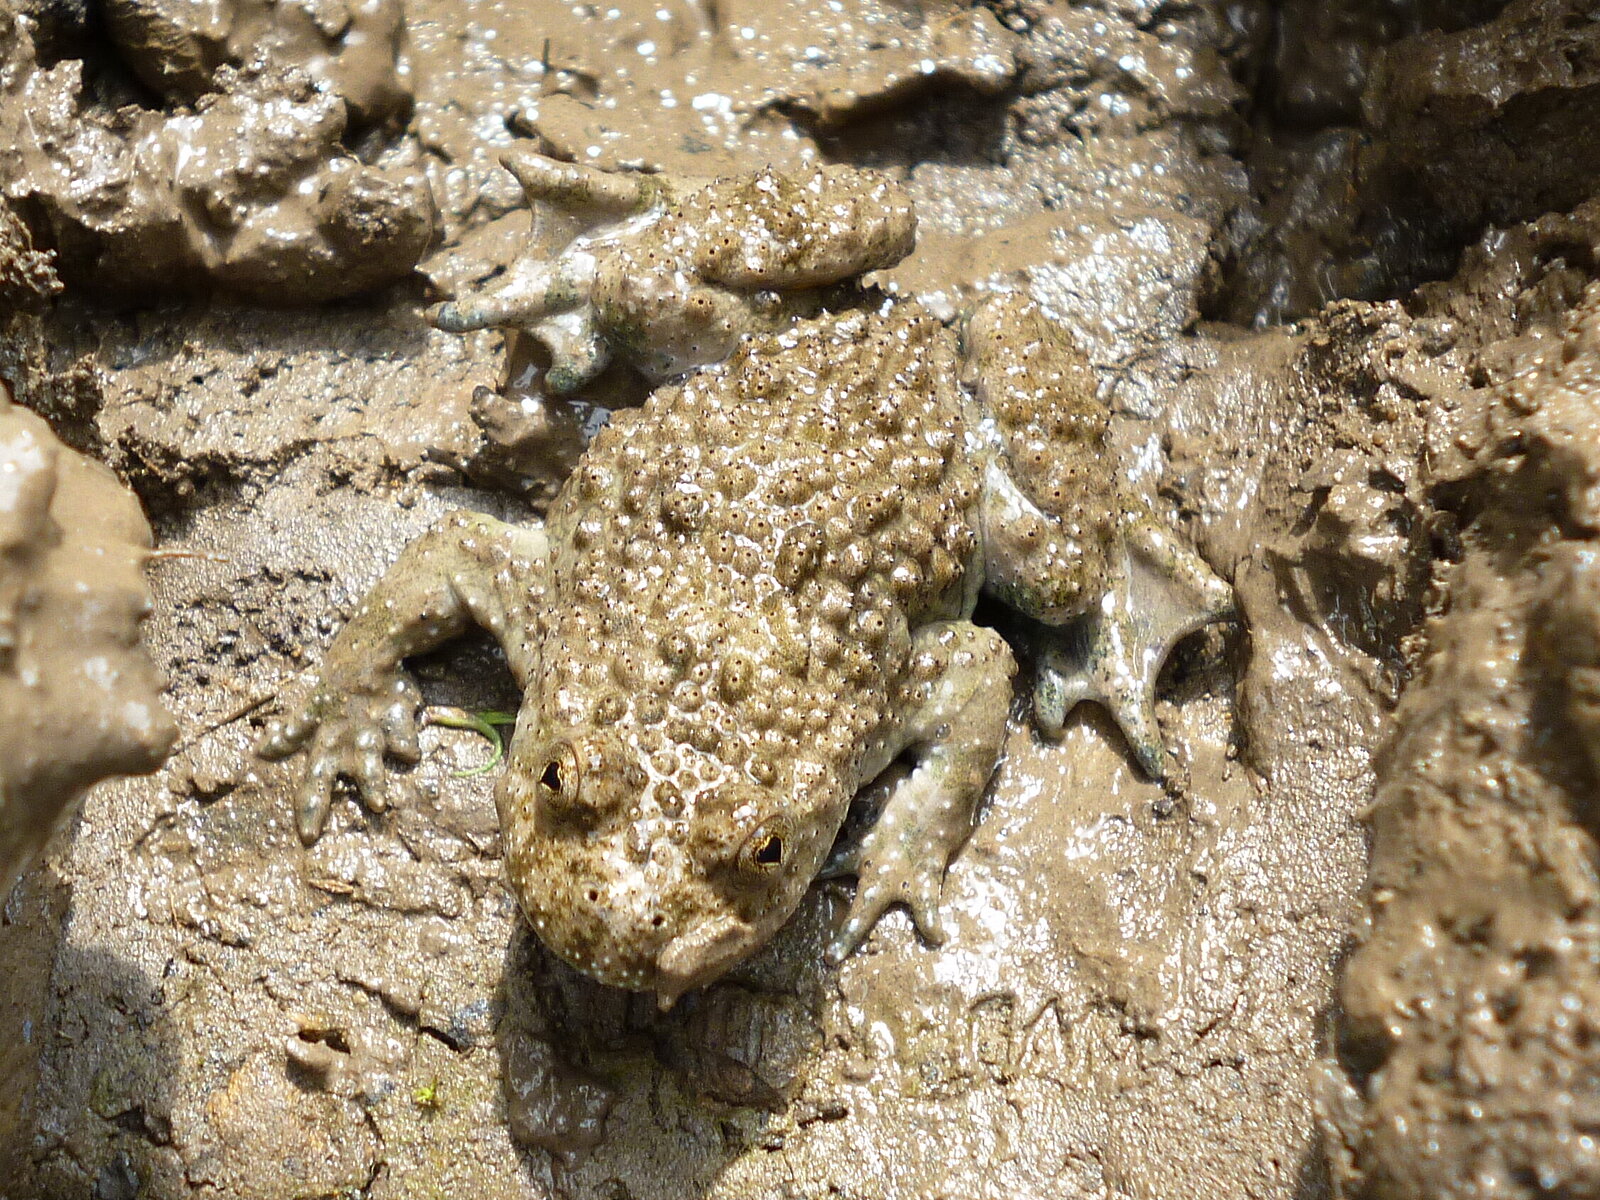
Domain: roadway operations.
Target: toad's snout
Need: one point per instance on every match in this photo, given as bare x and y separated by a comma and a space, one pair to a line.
701, 954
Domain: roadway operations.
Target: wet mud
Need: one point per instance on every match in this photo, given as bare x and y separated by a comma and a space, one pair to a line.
255, 188
79, 696
1352, 351
1465, 1021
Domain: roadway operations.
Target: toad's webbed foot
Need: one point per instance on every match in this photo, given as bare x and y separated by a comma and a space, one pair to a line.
673, 271
1160, 592
349, 725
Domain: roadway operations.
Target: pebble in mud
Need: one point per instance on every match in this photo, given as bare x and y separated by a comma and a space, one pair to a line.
754, 595
79, 698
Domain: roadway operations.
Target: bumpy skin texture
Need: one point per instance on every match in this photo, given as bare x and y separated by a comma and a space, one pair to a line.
753, 595
675, 271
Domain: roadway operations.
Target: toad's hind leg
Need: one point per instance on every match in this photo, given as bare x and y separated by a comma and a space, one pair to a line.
956, 697
1159, 591
465, 569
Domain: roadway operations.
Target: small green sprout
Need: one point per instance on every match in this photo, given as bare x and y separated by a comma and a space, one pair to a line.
485, 723
426, 1095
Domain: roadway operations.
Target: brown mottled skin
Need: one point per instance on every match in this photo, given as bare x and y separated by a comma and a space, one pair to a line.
676, 270
751, 597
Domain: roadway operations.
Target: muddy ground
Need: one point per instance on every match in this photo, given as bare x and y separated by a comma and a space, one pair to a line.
1337, 269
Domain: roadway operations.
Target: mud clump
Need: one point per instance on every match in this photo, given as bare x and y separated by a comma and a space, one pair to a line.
27, 276
79, 699
354, 51
1388, 135
1455, 111
252, 191
1468, 1040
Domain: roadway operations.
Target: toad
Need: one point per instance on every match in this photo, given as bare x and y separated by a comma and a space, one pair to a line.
754, 595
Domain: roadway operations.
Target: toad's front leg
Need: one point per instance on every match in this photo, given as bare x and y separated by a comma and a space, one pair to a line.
956, 697
467, 568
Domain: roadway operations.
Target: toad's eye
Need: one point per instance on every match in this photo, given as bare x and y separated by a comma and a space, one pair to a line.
560, 784
767, 849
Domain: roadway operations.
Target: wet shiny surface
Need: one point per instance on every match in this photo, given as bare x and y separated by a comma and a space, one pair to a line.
1126, 1001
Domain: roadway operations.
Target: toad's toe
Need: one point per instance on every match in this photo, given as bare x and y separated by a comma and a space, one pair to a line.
1160, 592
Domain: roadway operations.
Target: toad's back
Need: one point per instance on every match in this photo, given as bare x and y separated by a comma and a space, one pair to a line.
764, 537
753, 597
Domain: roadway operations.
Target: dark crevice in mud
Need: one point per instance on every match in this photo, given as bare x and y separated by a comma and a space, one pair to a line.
1361, 1052
954, 125
1205, 662
173, 512
1386, 137
172, 487
402, 1009
1521, 485
64, 29
470, 672
139, 1121
452, 1040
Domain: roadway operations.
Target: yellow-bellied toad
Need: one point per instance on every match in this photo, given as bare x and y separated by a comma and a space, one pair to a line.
754, 593
752, 596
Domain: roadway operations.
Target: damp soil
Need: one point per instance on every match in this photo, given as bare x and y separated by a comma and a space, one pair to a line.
1338, 276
